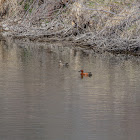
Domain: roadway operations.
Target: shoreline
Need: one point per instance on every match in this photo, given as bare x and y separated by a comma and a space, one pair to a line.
129, 50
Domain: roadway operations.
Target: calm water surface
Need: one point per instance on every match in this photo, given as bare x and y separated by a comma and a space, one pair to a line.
41, 101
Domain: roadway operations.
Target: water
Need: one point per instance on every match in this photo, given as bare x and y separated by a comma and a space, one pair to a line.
41, 101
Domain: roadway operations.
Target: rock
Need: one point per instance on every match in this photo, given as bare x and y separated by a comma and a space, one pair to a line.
19, 22
43, 24
4, 25
6, 29
15, 20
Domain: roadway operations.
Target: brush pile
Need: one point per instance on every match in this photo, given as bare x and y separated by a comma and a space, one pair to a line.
103, 25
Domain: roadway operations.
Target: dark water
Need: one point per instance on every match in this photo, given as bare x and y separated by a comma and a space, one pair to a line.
41, 101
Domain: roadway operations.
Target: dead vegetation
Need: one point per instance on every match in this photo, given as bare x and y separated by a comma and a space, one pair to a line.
105, 25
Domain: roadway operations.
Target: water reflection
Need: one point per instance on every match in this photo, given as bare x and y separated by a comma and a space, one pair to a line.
40, 100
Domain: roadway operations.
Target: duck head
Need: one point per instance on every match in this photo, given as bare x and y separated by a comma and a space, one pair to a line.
81, 71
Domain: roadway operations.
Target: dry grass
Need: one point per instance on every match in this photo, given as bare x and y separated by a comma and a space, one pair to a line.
104, 24
10, 6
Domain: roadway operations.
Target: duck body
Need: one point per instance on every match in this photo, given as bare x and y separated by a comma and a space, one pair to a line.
85, 73
61, 64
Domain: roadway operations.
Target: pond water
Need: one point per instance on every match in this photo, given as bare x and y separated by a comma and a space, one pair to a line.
39, 100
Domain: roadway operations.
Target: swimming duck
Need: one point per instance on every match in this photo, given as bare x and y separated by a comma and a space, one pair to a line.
86, 73
61, 64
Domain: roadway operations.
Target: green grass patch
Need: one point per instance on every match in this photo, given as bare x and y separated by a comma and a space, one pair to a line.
30, 11
47, 21
26, 6
132, 27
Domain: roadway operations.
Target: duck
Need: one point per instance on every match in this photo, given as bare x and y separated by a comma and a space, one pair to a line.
85, 73
61, 64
